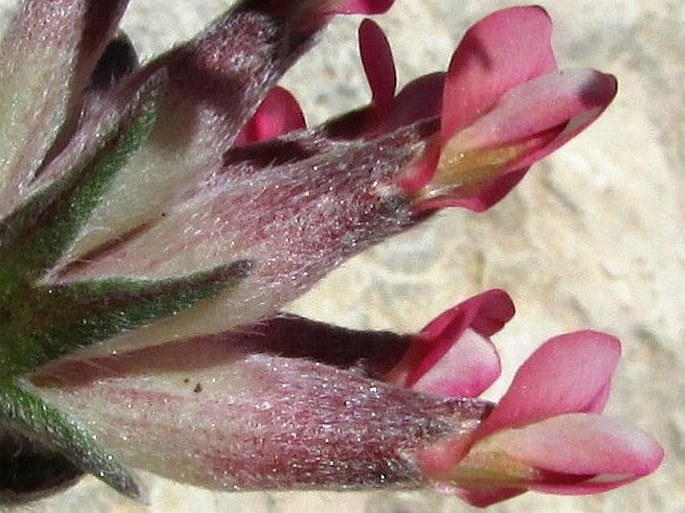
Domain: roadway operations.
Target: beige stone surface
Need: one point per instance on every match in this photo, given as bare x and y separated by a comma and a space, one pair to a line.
593, 237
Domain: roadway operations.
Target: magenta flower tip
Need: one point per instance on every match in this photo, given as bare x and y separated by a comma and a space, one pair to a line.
505, 106
453, 355
378, 63
547, 433
502, 51
278, 114
359, 6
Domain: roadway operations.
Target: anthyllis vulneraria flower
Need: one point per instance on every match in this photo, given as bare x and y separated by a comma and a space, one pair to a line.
156, 218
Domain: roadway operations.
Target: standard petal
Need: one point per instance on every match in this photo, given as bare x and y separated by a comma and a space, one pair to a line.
277, 115
583, 453
568, 374
452, 356
502, 51
419, 99
378, 65
357, 6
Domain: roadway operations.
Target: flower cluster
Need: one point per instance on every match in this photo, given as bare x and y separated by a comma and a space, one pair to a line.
156, 218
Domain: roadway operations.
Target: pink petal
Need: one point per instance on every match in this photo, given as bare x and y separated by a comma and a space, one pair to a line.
564, 102
486, 313
594, 93
419, 99
357, 6
277, 115
468, 369
532, 120
584, 453
567, 374
378, 64
505, 49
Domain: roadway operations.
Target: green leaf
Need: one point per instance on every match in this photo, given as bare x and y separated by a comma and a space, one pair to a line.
55, 320
30, 415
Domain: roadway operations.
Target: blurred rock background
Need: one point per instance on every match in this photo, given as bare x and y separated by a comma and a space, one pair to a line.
592, 238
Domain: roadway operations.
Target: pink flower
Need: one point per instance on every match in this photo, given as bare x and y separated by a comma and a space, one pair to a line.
292, 403
505, 105
453, 355
547, 432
